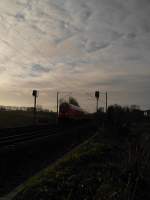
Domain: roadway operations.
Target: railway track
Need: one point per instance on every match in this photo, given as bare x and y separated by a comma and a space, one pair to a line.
27, 136
21, 130
24, 154
19, 135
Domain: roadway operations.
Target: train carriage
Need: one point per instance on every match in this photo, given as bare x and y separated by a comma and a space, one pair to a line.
71, 112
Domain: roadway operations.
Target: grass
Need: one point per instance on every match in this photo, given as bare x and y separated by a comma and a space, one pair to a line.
106, 167
93, 171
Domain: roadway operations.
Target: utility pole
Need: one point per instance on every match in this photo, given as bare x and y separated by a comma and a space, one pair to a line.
106, 101
57, 104
35, 95
97, 99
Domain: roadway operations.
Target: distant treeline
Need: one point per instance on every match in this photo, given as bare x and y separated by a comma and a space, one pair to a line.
22, 108
120, 119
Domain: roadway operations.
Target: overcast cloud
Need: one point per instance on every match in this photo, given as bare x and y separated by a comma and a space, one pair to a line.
70, 44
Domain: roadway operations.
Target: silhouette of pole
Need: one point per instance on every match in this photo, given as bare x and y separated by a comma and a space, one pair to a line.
34, 94
97, 105
57, 104
97, 99
35, 106
106, 101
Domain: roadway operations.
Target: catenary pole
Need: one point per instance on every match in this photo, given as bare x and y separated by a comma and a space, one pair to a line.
106, 101
57, 104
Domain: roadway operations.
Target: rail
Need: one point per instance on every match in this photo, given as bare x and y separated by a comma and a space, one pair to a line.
22, 137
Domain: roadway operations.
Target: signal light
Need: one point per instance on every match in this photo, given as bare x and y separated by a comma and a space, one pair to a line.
35, 93
97, 94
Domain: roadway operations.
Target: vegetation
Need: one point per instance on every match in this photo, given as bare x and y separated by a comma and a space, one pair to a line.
107, 166
120, 119
87, 173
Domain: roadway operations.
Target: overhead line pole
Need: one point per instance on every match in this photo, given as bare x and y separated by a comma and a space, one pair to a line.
97, 93
106, 101
35, 106
57, 104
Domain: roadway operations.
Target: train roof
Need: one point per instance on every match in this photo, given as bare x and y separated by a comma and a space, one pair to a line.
74, 107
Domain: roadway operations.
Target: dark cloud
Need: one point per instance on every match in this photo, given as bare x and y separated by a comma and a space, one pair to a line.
130, 82
141, 4
20, 17
94, 46
38, 70
131, 35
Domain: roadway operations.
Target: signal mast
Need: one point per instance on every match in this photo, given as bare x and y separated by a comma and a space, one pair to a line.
35, 94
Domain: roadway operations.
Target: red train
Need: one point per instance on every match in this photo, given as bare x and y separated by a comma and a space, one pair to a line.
71, 112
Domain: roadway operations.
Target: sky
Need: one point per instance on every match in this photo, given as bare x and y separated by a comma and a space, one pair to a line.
74, 45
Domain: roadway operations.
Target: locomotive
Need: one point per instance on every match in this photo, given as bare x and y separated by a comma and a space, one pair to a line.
69, 111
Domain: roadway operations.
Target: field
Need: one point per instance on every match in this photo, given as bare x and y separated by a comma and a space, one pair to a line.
10, 119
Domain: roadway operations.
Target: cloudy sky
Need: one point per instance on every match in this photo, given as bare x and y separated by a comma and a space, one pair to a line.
75, 45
